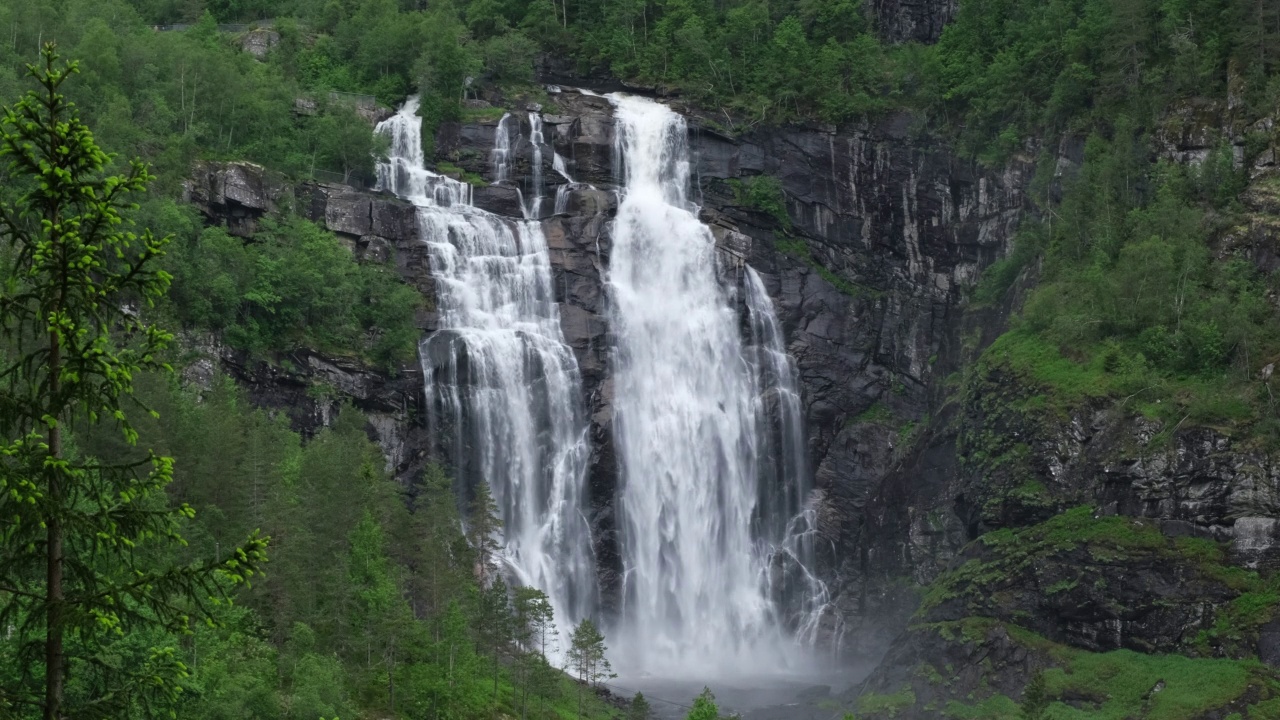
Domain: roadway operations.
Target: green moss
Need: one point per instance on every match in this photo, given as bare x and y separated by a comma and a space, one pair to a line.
481, 114
1018, 552
457, 173
930, 674
877, 414
1265, 710
996, 707
797, 248
1235, 628
885, 705
1062, 586
763, 193
1120, 684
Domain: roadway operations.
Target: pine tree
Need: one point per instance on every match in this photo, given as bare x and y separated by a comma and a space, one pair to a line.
484, 527
494, 625
587, 658
1035, 698
534, 634
80, 535
639, 708
436, 549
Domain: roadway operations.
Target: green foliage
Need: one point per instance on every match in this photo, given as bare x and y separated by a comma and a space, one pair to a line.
763, 193
1035, 698
886, 704
639, 708
1117, 684
78, 566
1010, 553
587, 659
877, 414
372, 606
1004, 71
1131, 307
704, 707
293, 285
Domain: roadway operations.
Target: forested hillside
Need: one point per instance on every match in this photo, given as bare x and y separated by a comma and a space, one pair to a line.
1128, 281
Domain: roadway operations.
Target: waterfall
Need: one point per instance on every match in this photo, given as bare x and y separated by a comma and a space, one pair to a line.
404, 172
533, 209
498, 370
501, 155
697, 529
787, 525
561, 166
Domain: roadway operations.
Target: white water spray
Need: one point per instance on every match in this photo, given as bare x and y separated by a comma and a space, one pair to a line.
688, 428
499, 372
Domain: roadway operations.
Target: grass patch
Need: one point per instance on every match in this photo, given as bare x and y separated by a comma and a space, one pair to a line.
886, 705
1121, 684
996, 707
877, 414
457, 173
1018, 552
482, 114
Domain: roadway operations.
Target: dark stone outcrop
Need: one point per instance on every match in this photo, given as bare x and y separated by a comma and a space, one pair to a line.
235, 195
309, 388
901, 21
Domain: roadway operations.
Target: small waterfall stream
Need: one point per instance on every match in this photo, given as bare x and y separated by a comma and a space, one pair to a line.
499, 371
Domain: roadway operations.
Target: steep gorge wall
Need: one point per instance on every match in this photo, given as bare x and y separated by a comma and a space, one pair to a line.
886, 232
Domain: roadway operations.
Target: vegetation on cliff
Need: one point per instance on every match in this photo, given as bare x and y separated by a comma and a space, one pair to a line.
119, 565
1138, 297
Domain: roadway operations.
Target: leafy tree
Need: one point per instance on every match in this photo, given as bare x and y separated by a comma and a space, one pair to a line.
587, 658
345, 142
79, 532
704, 707
438, 555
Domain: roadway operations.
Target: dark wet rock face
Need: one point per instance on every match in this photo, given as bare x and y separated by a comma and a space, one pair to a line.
886, 233
235, 195
905, 20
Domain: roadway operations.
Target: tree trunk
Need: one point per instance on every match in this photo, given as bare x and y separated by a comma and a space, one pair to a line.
53, 654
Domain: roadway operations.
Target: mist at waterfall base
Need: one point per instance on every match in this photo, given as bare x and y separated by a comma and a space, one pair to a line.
713, 531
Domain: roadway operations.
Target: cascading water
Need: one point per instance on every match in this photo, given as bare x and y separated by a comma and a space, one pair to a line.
561, 166
562, 192
714, 535
786, 526
499, 370
533, 208
697, 527
501, 155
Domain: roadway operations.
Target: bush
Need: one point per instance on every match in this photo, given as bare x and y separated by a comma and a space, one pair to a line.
293, 285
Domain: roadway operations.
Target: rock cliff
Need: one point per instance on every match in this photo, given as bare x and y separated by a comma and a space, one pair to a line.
884, 232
